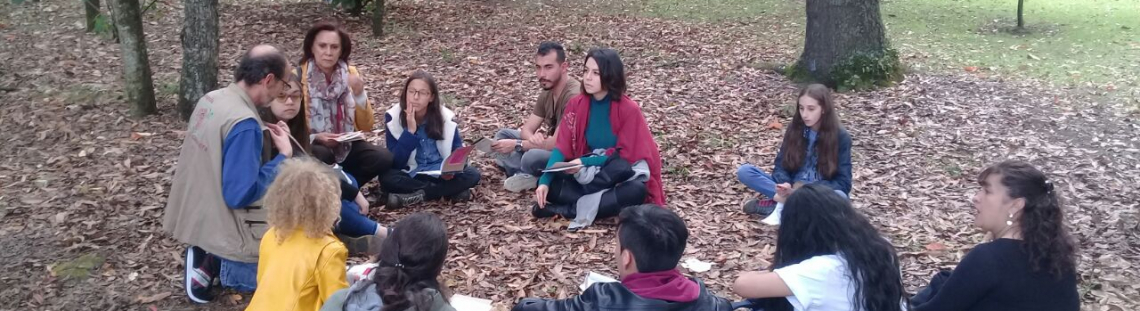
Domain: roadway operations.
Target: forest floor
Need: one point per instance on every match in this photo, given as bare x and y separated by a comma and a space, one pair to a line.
82, 185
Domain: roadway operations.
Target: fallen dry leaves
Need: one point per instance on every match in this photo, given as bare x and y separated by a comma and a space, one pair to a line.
78, 177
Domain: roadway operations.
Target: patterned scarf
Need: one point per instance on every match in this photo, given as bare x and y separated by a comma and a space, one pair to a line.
332, 108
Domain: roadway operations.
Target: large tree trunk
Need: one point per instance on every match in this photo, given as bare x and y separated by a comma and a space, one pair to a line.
199, 53
136, 66
378, 19
91, 7
837, 30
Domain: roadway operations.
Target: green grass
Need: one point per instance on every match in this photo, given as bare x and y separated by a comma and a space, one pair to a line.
1073, 42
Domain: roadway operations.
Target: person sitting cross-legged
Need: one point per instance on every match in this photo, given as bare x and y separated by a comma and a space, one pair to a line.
354, 222
405, 275
604, 143
828, 258
650, 243
526, 150
422, 134
816, 149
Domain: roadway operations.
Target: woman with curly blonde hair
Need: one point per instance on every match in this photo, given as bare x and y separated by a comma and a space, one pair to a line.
304, 204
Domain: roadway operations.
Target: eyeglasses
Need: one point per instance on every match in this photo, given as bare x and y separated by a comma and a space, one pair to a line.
420, 93
295, 98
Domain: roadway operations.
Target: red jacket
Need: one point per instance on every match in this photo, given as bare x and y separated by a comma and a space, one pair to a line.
633, 138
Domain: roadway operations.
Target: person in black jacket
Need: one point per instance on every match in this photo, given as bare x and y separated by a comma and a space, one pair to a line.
651, 240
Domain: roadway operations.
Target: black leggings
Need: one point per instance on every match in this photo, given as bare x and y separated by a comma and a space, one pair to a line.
396, 181
364, 162
564, 191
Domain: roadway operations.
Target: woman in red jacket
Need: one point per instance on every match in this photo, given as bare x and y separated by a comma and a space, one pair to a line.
598, 128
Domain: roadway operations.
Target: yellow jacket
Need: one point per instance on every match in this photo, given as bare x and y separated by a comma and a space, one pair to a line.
298, 274
364, 114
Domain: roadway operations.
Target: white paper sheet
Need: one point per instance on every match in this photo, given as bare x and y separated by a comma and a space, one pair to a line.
594, 277
468, 303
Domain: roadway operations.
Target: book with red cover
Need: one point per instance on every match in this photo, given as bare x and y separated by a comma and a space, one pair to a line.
454, 163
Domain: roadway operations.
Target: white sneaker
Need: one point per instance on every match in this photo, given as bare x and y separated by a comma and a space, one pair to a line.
520, 182
774, 218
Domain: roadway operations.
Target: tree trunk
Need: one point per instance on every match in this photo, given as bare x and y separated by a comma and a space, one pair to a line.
837, 30
357, 7
378, 19
1020, 16
137, 82
199, 53
92, 9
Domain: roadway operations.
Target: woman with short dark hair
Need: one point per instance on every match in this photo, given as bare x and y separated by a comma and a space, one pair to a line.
335, 103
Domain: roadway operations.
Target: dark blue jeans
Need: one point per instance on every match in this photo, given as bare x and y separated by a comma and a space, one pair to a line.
352, 223
759, 181
240, 276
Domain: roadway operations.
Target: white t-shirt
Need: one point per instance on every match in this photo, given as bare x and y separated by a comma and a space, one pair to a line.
820, 283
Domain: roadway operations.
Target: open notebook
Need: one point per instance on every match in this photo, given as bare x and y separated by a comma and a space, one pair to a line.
349, 137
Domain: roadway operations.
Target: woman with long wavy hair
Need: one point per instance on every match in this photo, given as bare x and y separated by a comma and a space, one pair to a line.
1031, 262
828, 257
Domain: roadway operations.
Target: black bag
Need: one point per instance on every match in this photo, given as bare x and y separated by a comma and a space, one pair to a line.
564, 189
614, 171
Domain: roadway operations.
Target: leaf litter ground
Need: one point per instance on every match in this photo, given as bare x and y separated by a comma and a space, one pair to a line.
82, 186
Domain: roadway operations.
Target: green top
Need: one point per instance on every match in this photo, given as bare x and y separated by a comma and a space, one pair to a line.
599, 135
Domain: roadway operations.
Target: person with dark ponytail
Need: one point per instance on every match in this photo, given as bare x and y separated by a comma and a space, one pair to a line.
1030, 263
407, 274
828, 258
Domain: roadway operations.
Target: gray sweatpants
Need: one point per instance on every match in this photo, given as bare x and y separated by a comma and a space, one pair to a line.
530, 162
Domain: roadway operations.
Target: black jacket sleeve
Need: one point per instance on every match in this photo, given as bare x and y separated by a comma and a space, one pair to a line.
578, 303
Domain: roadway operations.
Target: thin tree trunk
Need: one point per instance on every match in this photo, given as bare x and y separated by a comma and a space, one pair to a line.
199, 53
357, 8
92, 9
837, 29
378, 19
1020, 16
137, 82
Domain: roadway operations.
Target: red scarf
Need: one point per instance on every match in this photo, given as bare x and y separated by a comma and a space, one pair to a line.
667, 285
633, 137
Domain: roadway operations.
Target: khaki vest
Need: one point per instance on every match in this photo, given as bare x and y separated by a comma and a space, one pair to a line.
196, 213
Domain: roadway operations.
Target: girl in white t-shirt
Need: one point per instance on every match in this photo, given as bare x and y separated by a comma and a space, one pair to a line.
828, 258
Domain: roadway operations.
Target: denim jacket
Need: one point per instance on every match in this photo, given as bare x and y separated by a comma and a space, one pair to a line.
808, 173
